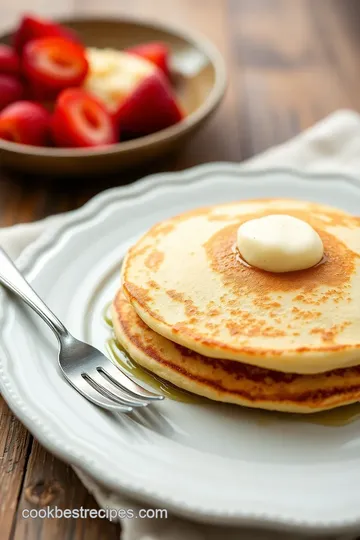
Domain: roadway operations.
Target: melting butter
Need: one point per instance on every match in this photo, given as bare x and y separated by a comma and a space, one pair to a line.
279, 243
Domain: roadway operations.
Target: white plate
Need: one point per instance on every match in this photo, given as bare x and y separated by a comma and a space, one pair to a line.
213, 462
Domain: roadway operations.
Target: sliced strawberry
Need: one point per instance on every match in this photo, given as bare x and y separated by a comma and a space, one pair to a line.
80, 120
52, 64
35, 28
150, 107
9, 60
25, 122
11, 89
134, 90
154, 51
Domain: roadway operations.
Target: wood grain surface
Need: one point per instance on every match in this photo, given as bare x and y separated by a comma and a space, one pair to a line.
290, 63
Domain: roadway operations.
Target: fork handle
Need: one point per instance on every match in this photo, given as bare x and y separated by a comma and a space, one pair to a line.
14, 281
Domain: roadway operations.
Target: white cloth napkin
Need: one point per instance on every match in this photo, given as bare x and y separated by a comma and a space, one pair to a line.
333, 145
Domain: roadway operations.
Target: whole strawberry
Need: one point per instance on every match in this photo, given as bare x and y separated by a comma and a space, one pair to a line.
11, 89
25, 122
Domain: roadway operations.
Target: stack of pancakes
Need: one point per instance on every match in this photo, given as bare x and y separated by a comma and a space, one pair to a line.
193, 313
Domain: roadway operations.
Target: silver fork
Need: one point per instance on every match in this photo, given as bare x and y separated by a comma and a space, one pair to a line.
88, 370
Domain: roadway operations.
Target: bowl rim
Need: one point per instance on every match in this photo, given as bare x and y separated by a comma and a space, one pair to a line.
205, 109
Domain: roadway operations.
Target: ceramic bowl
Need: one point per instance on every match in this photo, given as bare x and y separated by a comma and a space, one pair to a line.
199, 79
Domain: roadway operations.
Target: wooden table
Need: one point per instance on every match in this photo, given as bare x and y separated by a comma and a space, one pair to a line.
290, 63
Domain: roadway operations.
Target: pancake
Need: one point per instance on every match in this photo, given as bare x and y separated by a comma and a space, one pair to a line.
229, 381
185, 280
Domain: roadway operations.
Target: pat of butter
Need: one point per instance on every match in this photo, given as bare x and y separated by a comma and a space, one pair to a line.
113, 75
279, 243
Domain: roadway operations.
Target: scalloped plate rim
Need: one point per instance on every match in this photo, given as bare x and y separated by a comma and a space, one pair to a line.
70, 454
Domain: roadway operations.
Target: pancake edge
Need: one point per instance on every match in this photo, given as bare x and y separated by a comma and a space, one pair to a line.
207, 390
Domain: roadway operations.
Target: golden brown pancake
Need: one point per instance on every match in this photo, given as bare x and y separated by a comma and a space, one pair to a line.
229, 381
185, 280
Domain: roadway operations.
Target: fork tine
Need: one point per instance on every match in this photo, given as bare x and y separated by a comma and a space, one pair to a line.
106, 376
115, 393
117, 376
89, 392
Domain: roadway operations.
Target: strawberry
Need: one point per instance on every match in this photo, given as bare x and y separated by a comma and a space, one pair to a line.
135, 91
80, 120
9, 60
25, 122
11, 89
152, 106
34, 28
53, 64
154, 51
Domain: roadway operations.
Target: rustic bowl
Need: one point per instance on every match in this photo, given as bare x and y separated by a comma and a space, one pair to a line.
199, 79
